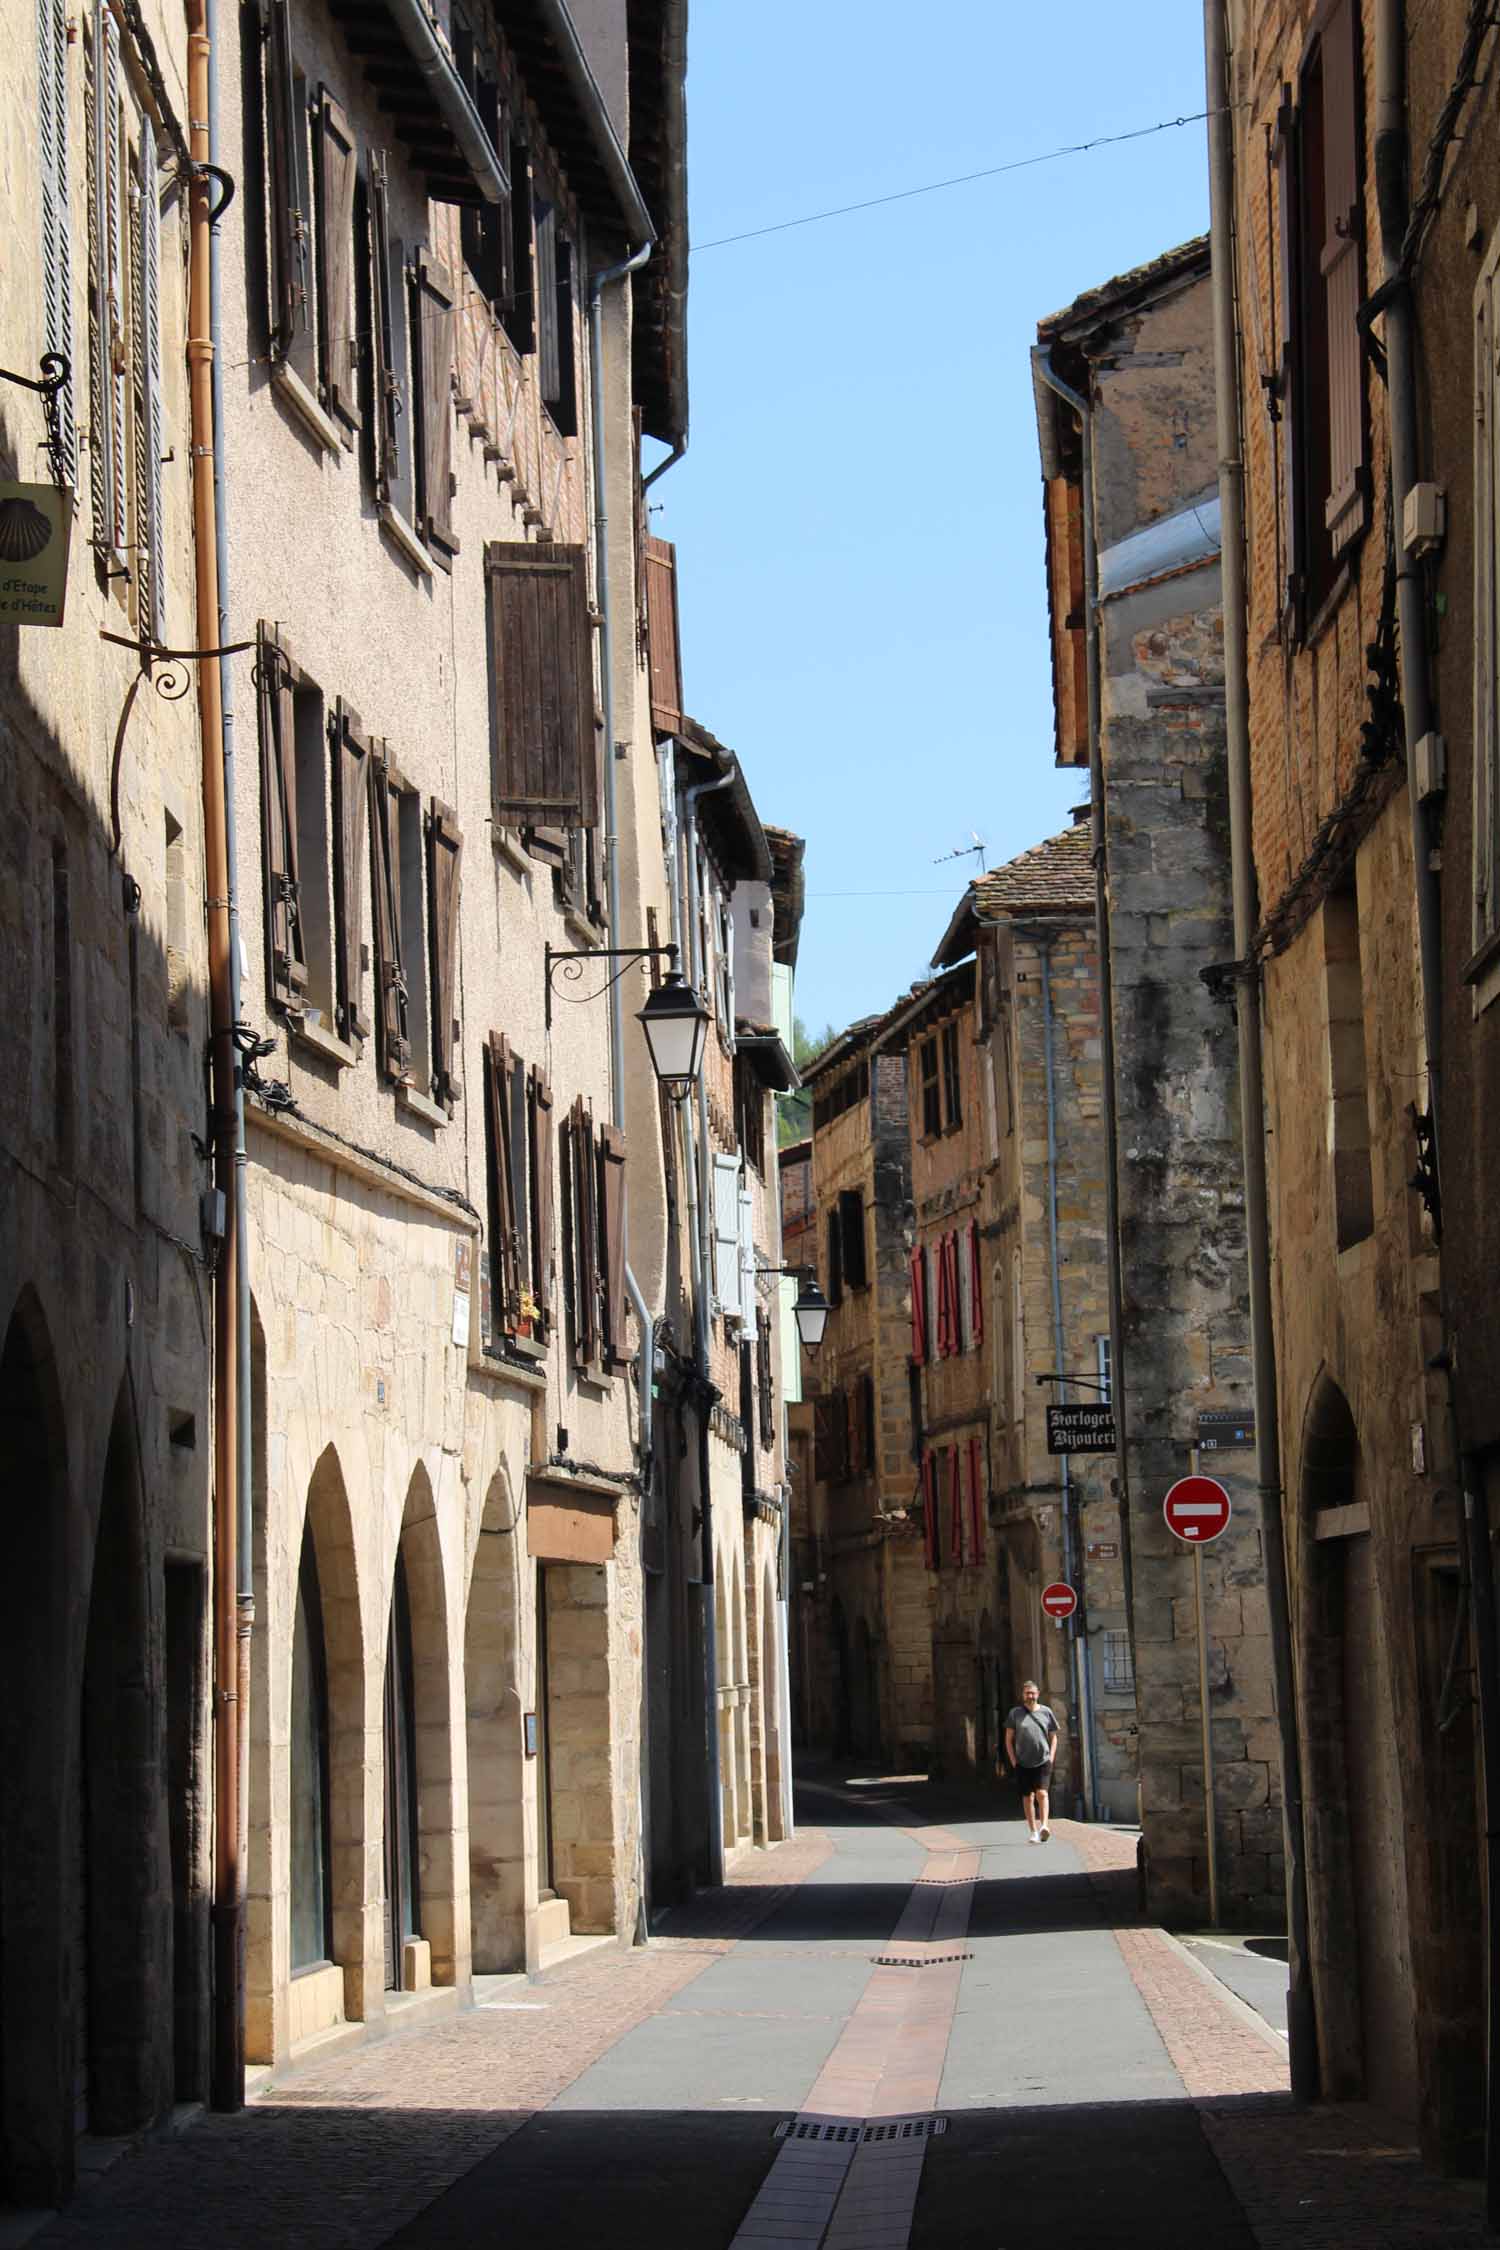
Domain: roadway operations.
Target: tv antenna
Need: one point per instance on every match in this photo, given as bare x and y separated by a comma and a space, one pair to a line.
975, 849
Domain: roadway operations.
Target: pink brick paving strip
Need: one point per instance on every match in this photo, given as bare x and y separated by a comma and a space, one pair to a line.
829, 2184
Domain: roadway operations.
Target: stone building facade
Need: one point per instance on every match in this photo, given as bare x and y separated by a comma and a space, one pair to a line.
1029, 927
1372, 764
1138, 353
106, 1246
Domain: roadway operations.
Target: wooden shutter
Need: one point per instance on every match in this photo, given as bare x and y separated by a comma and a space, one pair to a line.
918, 1307
337, 179
445, 853
150, 533
1347, 505
57, 238
484, 228
663, 641
544, 770
586, 1200
545, 286
505, 1277
434, 303
1289, 374
976, 1288
519, 313
835, 1258
823, 1453
930, 1511
726, 1178
291, 225
108, 353
387, 403
286, 954
612, 1211
385, 882
944, 1345
541, 1198
852, 1236
955, 1507
351, 865
765, 1396
976, 1499
867, 1417
564, 403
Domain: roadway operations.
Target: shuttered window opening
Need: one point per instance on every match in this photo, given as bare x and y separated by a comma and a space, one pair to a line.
581, 1185
663, 640
151, 584
834, 1281
918, 1308
1323, 414
337, 175
445, 851
390, 357
543, 758
952, 1083
554, 283
765, 1390
932, 1098
351, 871
484, 228
519, 1160
851, 1216
518, 317
955, 1508
976, 1288
303, 868
726, 1217
611, 1160
930, 1549
395, 1012
57, 239
540, 1138
1486, 846
433, 321
869, 1423
976, 1499
109, 334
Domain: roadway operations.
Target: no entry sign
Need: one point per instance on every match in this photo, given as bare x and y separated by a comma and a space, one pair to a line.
1059, 1600
1197, 1508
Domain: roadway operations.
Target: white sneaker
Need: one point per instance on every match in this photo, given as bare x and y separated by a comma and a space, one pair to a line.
1042, 1835
1032, 1837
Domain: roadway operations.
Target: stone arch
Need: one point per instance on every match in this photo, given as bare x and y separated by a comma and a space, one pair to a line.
45, 1548
419, 1579
328, 1540
1352, 1789
496, 1750
743, 1813
724, 1693
122, 1956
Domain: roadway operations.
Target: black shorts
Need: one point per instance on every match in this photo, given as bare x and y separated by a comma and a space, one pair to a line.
1029, 1778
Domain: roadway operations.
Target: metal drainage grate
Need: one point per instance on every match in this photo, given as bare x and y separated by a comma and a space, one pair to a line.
910, 1960
811, 2129
906, 2129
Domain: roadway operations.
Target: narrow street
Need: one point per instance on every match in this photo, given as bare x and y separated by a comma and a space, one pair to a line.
905, 2026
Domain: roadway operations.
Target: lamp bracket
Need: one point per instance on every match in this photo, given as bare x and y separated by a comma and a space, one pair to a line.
575, 956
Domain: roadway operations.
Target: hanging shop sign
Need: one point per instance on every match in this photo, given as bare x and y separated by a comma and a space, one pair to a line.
36, 523
1080, 1429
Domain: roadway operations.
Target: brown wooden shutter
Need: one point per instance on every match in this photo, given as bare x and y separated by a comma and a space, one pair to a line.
584, 1199
663, 641
1346, 508
337, 177
852, 1236
544, 769
505, 1278
612, 1261
1289, 373
519, 313
545, 282
541, 1198
445, 854
388, 405
765, 1397
434, 386
286, 953
385, 882
351, 816
290, 225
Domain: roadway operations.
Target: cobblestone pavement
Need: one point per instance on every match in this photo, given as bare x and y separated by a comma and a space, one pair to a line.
907, 1959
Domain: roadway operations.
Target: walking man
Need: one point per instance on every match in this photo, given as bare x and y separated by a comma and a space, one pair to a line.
1031, 1745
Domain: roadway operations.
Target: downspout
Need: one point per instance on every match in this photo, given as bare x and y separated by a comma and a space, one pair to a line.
227, 2066
701, 1299
679, 447
1072, 1551
645, 1378
1099, 852
1392, 185
1302, 2027
245, 1590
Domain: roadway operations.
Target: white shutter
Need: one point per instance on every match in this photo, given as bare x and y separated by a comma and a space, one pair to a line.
727, 1235
57, 260
116, 332
153, 584
747, 1257
107, 348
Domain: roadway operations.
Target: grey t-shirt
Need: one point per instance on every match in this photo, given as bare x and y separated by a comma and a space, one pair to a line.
1033, 1731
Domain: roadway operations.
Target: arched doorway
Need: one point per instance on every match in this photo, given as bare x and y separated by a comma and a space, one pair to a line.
496, 1751
740, 1682
770, 1710
1360, 1928
326, 1762
418, 1751
39, 1743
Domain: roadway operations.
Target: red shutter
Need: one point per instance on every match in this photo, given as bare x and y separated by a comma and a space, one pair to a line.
976, 1286
612, 1203
976, 1499
956, 1504
351, 867
918, 1307
337, 174
663, 641
544, 772
434, 387
445, 851
930, 1511
1347, 505
945, 1300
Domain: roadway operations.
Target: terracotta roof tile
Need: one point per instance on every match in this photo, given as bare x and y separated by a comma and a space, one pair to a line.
1056, 875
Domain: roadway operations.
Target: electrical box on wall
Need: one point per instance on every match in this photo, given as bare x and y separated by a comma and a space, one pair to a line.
1424, 519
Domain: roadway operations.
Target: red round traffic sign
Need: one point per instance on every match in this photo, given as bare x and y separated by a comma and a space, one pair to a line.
1059, 1600
1197, 1508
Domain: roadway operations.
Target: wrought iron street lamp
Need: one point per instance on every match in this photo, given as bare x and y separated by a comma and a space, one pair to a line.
811, 1309
674, 1019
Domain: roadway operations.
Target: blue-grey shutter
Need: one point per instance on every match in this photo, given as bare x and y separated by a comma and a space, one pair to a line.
57, 258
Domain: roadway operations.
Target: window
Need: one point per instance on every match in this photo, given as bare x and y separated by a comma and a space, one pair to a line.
1323, 418
516, 1278
57, 235
977, 1497
401, 1001
952, 1098
919, 1335
433, 318
294, 801
543, 765
765, 1387
311, 1856
834, 1282
403, 1902
663, 646
851, 1218
311, 179
831, 1438
1348, 1098
750, 1107
1017, 1341
1486, 851
593, 1204
519, 316
976, 1288
351, 820
1119, 1666
932, 1098
931, 1552
485, 229
554, 284
390, 354
1102, 1361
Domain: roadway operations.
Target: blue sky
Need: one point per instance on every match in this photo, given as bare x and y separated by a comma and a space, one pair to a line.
858, 517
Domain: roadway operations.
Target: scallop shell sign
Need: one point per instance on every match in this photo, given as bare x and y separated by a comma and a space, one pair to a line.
35, 523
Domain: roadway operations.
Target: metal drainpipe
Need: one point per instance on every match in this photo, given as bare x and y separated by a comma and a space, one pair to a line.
1072, 1552
227, 2076
1392, 182
597, 286
244, 1432
701, 1300
1302, 2028
1098, 836
679, 447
